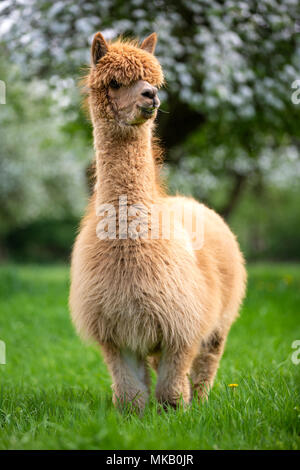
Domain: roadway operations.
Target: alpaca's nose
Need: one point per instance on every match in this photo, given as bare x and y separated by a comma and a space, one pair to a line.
151, 92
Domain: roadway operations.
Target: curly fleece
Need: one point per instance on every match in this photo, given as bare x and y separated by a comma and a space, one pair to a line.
126, 63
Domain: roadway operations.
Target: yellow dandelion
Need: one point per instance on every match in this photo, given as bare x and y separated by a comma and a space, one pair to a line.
288, 279
233, 385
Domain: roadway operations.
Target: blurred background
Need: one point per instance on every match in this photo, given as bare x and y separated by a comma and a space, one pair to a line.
231, 134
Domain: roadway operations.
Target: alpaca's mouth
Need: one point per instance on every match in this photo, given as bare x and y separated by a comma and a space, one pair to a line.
147, 112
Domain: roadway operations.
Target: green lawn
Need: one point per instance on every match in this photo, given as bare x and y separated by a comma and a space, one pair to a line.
55, 390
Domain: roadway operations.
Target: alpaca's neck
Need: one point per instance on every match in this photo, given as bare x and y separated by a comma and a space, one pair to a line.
125, 165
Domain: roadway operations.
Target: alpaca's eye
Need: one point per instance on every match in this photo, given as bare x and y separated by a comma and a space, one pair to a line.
114, 84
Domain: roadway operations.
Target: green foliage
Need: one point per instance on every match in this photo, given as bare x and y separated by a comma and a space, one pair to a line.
42, 168
269, 229
43, 240
55, 391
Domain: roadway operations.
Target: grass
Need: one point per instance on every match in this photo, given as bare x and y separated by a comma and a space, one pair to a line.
55, 391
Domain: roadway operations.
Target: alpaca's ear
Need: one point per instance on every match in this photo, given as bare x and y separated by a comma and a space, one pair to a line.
99, 48
149, 43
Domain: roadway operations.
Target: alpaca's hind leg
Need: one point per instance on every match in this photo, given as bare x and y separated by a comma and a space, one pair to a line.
172, 377
130, 374
206, 364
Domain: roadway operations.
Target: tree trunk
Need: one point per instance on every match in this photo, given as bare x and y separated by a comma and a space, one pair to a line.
235, 194
177, 125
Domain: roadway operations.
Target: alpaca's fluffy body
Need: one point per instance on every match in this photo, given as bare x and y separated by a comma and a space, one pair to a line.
148, 298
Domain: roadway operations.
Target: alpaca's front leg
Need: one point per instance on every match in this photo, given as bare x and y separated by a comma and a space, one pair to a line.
172, 382
130, 374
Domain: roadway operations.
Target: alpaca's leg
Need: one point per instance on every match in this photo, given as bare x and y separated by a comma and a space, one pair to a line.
130, 374
172, 377
206, 364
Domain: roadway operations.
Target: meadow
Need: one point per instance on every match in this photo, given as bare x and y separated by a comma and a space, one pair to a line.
55, 390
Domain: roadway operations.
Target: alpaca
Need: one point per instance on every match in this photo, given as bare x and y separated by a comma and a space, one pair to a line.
147, 299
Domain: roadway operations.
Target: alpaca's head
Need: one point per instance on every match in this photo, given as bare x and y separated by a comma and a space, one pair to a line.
123, 81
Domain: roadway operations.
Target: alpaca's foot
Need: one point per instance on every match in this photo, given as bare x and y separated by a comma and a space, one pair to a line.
201, 390
173, 386
205, 365
131, 380
176, 395
131, 400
